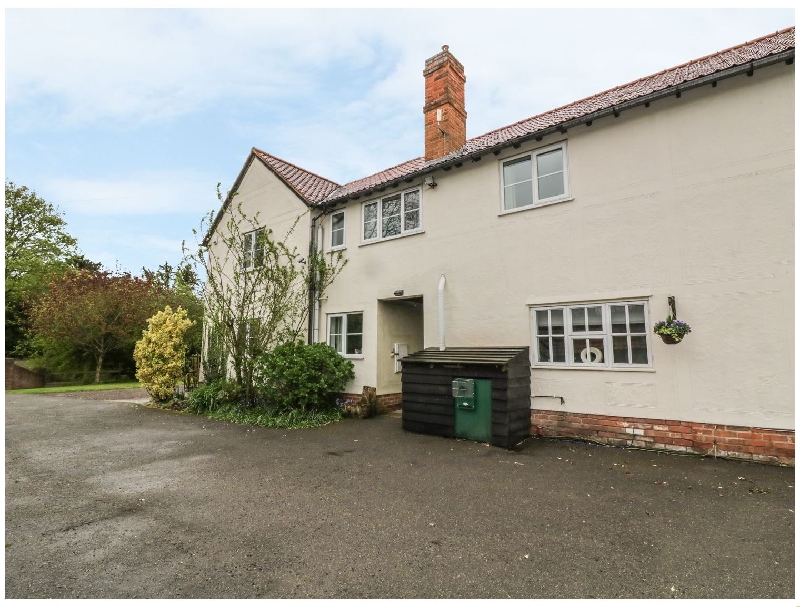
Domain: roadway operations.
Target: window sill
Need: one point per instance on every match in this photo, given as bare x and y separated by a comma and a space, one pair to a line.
547, 203
337, 249
353, 356
600, 368
377, 240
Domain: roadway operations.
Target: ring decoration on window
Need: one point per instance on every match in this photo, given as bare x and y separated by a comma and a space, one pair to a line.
587, 352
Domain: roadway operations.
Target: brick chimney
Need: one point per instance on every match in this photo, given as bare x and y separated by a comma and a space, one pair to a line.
444, 96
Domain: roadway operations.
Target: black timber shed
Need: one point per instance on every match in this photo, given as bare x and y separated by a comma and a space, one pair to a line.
428, 405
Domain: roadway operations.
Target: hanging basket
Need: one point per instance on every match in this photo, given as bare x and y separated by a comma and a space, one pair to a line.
670, 339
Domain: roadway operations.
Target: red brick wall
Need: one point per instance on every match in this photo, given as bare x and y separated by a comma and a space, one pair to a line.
738, 442
386, 402
18, 377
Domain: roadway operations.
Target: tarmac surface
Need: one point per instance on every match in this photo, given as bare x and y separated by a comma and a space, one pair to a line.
117, 500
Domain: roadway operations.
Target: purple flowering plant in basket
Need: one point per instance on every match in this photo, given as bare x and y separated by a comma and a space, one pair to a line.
672, 330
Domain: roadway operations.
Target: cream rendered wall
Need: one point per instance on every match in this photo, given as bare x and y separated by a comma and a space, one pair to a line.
266, 199
272, 204
691, 197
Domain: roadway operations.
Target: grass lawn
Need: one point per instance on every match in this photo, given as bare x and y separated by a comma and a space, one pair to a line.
86, 388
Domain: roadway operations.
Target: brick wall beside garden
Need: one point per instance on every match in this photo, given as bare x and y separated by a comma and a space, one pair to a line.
18, 377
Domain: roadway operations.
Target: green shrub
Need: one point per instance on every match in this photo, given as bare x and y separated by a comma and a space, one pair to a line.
161, 351
219, 395
298, 376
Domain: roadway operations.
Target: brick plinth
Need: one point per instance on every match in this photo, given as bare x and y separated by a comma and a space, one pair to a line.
736, 442
386, 402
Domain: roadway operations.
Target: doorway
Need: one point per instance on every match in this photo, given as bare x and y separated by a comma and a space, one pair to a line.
401, 331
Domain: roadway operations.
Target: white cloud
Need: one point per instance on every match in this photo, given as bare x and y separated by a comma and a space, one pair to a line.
142, 193
143, 65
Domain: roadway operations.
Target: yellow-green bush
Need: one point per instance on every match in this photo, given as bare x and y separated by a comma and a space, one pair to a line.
160, 353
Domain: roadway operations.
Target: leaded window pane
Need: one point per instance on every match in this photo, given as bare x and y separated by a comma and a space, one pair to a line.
639, 348
411, 219
518, 195
355, 323
550, 162
618, 322
578, 320
559, 349
517, 171
247, 250
551, 186
595, 315
636, 313
390, 210
544, 349
620, 349
411, 200
542, 325
557, 321
337, 230
354, 344
335, 333
370, 221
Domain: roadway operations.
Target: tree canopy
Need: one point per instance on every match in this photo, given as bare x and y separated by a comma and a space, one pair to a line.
37, 246
94, 314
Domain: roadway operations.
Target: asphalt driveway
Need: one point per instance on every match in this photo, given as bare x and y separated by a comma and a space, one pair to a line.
112, 499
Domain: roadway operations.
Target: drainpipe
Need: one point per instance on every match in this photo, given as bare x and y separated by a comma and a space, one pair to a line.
316, 282
442, 282
313, 302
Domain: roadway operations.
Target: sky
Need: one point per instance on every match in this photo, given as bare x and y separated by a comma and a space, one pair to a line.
126, 120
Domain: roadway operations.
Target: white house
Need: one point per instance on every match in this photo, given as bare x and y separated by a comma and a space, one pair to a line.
572, 233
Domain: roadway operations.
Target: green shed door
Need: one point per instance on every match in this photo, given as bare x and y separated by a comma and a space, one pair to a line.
473, 412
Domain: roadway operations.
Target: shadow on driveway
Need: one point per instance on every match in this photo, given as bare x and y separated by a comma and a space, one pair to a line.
111, 499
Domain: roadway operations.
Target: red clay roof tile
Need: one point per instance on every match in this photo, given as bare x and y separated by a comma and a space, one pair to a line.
316, 189
307, 185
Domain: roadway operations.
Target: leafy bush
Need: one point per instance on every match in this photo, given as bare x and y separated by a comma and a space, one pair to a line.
219, 395
160, 353
304, 377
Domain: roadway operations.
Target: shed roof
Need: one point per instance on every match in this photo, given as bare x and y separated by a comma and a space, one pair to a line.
472, 356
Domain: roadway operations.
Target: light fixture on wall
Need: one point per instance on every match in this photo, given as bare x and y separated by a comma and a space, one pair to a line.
398, 293
430, 182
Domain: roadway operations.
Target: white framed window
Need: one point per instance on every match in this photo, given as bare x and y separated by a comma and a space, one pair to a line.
346, 334
253, 249
592, 335
337, 230
392, 216
536, 178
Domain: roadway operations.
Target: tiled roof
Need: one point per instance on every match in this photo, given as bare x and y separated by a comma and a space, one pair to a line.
307, 185
317, 190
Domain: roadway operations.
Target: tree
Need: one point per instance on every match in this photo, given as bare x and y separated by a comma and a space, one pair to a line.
94, 314
161, 352
37, 246
256, 290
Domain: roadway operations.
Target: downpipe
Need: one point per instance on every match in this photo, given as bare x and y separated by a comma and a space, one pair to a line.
442, 282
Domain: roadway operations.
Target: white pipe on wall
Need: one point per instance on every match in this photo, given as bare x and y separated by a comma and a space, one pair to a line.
442, 282
316, 281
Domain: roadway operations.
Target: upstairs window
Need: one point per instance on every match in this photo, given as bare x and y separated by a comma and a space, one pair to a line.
337, 230
536, 178
598, 335
253, 249
346, 334
392, 216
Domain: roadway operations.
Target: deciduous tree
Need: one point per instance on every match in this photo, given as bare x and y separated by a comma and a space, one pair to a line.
37, 245
95, 313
